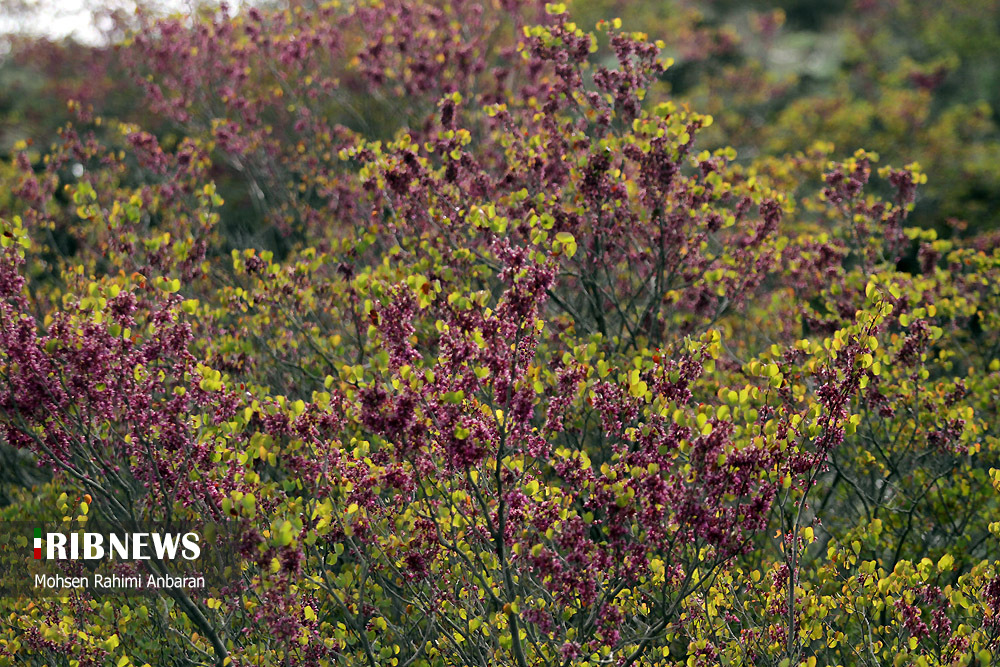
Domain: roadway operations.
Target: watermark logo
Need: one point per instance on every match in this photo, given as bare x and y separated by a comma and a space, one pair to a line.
145, 558
130, 546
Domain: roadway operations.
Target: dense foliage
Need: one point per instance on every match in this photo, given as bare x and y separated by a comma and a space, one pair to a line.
495, 352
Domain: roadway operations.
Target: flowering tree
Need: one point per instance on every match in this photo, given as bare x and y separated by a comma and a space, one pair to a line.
530, 378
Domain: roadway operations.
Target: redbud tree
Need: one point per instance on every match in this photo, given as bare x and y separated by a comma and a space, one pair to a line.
520, 374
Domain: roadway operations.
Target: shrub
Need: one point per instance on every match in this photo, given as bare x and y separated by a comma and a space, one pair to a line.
531, 378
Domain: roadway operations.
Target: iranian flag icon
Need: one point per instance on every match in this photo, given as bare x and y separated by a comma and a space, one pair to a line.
38, 543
